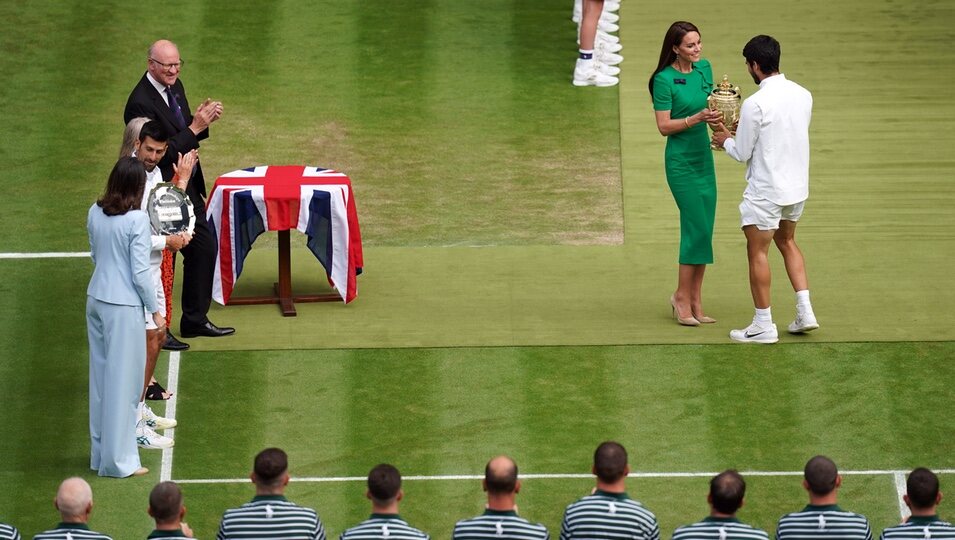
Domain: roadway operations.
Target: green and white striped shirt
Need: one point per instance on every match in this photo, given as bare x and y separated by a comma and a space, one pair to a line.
271, 516
498, 525
9, 532
71, 531
920, 528
383, 526
608, 516
714, 528
828, 522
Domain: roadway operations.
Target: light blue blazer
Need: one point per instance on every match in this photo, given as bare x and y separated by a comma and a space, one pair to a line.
120, 248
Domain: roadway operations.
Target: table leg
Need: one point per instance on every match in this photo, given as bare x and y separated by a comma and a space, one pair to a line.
283, 288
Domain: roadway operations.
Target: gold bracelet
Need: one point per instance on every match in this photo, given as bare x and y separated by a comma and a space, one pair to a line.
685, 121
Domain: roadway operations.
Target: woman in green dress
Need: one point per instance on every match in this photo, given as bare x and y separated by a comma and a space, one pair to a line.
679, 87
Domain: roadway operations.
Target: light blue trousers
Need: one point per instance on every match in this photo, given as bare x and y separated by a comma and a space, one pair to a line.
117, 367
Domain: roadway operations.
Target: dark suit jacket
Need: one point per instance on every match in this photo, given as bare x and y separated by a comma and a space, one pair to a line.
144, 100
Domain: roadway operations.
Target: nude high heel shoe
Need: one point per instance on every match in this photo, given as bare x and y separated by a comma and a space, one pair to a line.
689, 321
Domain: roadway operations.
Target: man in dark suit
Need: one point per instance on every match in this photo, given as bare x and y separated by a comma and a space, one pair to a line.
159, 95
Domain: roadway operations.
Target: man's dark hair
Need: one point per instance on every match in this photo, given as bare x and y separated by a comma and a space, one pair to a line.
270, 465
610, 461
384, 482
821, 474
154, 130
165, 500
922, 488
726, 491
764, 50
500, 480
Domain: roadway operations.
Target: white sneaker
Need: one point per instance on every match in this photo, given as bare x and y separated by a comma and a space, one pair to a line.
150, 440
607, 46
609, 17
804, 323
602, 36
606, 57
154, 421
606, 15
612, 71
755, 333
593, 77
607, 26
611, 6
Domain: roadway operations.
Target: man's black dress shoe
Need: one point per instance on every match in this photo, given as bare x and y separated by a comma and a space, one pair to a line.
173, 344
207, 330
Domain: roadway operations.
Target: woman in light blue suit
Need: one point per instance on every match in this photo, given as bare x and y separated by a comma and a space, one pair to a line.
121, 285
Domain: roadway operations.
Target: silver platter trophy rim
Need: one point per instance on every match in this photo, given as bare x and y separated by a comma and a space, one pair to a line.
167, 228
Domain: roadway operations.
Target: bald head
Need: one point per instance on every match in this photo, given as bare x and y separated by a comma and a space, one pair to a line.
163, 46
163, 62
74, 499
500, 475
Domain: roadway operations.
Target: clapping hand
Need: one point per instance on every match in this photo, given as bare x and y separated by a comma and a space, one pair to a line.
183, 168
207, 113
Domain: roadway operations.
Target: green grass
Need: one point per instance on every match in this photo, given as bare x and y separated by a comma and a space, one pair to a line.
458, 127
446, 411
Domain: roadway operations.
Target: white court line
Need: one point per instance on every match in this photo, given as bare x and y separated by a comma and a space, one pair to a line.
316, 479
172, 385
48, 255
900, 488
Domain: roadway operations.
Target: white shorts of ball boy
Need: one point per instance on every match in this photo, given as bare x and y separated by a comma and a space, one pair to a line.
765, 214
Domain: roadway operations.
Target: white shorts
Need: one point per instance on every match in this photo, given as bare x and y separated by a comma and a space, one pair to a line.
766, 214
160, 299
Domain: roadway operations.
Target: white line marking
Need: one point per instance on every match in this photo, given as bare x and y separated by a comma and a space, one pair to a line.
549, 476
901, 489
172, 385
49, 255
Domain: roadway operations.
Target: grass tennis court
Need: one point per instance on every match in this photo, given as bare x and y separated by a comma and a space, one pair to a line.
520, 246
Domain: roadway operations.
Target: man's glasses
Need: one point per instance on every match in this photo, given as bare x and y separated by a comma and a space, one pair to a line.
168, 67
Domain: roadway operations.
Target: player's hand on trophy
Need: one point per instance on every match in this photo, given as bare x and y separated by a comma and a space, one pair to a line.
183, 168
720, 134
175, 242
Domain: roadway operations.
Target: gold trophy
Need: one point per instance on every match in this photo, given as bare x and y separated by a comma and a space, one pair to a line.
726, 99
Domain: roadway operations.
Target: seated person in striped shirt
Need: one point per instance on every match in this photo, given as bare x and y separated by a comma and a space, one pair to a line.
822, 519
726, 498
384, 492
74, 501
8, 532
166, 508
270, 514
500, 519
922, 497
608, 512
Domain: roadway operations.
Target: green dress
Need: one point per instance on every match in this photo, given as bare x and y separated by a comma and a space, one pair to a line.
688, 158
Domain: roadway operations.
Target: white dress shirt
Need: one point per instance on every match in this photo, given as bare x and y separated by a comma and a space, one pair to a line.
773, 140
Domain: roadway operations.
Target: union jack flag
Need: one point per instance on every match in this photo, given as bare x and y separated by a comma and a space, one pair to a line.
317, 202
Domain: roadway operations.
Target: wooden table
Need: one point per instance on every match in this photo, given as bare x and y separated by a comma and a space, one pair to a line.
318, 202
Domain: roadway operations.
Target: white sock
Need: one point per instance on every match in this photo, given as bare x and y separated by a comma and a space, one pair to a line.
586, 60
763, 316
802, 302
139, 411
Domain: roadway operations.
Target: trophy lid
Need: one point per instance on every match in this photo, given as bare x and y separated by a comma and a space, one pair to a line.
725, 89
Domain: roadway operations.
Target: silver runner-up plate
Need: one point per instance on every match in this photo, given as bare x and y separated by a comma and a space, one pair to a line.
170, 210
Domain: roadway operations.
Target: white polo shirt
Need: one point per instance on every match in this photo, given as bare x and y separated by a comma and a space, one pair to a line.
773, 140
